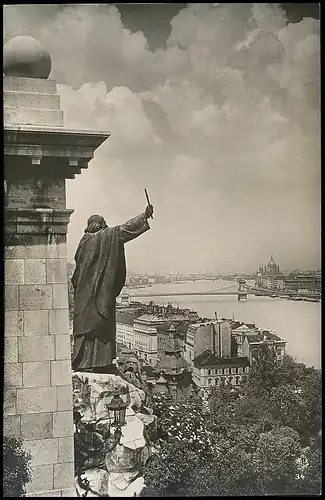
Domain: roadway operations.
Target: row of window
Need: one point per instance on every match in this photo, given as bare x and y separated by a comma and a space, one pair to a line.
145, 328
230, 380
124, 328
143, 336
140, 344
225, 371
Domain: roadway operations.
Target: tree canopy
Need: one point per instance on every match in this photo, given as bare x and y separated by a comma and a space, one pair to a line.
262, 438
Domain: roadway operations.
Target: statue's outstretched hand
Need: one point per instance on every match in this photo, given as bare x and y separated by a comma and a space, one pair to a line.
148, 211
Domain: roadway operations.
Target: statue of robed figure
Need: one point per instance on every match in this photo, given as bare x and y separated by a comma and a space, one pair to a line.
98, 279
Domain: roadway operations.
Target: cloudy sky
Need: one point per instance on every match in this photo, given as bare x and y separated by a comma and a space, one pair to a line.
214, 108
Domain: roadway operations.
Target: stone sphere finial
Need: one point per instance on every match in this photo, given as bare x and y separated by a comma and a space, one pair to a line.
26, 57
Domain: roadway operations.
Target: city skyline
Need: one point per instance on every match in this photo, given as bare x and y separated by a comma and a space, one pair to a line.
216, 114
136, 272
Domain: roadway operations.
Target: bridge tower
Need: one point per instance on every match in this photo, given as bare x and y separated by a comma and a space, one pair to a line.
242, 290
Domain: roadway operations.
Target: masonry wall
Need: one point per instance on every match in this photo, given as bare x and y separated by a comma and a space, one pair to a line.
225, 332
37, 369
202, 340
39, 156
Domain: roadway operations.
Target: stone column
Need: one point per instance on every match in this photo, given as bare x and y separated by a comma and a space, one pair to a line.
39, 155
38, 390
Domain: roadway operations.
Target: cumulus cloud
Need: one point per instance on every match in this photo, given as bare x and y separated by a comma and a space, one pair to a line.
185, 170
221, 126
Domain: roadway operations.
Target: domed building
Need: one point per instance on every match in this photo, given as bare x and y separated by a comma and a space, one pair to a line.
272, 268
269, 276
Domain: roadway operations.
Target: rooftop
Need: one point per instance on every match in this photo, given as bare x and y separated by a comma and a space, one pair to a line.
242, 328
171, 364
181, 326
151, 318
252, 326
209, 360
124, 318
261, 335
272, 336
204, 322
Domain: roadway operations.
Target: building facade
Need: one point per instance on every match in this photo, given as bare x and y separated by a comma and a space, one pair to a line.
145, 337
124, 329
144, 326
308, 281
254, 340
238, 334
211, 370
214, 335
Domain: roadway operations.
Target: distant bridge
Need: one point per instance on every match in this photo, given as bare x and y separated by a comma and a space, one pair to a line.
178, 294
242, 291
222, 291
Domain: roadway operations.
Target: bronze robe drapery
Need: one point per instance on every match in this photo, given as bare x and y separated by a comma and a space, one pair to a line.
98, 279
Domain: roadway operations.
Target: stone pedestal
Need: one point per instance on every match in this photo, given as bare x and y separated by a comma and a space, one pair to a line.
115, 469
39, 155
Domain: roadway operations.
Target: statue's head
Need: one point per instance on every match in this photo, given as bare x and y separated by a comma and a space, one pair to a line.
132, 365
95, 223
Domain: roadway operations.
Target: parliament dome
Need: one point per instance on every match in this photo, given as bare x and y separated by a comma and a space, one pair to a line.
23, 56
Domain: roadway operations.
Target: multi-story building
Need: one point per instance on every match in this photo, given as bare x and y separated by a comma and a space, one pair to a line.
126, 313
270, 276
145, 336
253, 340
238, 334
124, 329
307, 281
172, 313
214, 335
210, 370
137, 324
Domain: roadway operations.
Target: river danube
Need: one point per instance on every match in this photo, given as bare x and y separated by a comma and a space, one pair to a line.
299, 323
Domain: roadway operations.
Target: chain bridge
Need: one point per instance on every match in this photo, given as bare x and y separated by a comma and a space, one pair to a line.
240, 289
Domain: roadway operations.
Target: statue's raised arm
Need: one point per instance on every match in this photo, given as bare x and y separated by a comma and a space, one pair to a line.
136, 226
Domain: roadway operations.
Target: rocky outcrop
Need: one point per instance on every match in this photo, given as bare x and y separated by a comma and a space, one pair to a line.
109, 465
